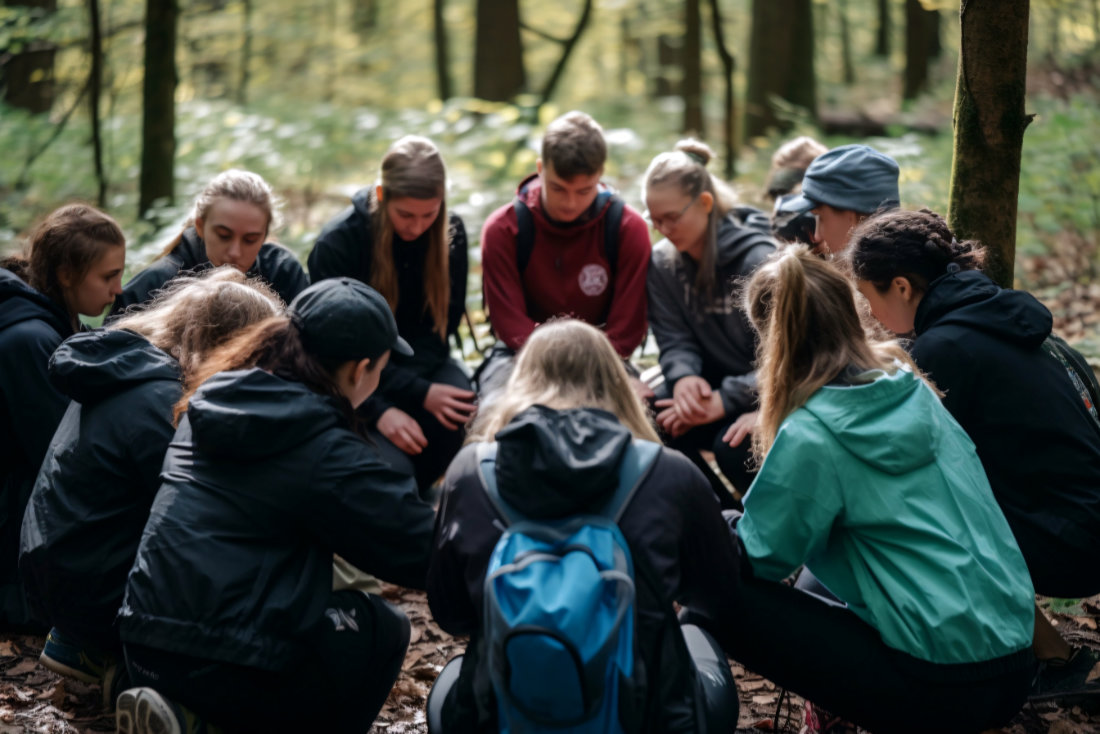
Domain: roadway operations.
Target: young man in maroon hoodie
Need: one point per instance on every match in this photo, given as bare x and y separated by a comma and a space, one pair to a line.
566, 246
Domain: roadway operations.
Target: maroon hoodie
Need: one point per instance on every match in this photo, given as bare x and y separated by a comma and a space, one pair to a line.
568, 273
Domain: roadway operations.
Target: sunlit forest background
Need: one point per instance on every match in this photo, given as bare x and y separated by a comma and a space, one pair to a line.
309, 93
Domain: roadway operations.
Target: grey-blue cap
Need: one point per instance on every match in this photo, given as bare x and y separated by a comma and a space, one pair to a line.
856, 178
344, 319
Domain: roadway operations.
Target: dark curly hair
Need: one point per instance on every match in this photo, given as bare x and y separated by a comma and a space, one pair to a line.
918, 246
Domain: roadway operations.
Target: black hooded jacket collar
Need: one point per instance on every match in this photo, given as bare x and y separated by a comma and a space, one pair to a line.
20, 302
553, 463
97, 364
970, 299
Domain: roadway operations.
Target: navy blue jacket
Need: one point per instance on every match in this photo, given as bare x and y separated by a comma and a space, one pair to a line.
102, 470
557, 463
1040, 447
275, 264
262, 483
345, 247
31, 328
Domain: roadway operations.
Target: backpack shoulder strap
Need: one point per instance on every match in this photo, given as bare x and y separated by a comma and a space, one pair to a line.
1079, 366
612, 221
525, 234
486, 466
637, 461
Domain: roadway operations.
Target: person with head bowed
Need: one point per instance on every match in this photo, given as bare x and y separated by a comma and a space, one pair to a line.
1011, 385
868, 481
92, 497
399, 237
562, 426
230, 222
229, 614
706, 344
567, 245
841, 188
73, 267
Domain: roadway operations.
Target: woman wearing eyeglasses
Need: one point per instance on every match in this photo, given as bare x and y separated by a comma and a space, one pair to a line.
706, 343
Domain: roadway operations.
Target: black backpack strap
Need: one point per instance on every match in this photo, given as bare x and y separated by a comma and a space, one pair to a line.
612, 221
525, 234
1076, 363
486, 453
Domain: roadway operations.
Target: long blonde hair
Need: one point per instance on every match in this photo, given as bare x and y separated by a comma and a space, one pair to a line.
686, 169
804, 310
413, 168
236, 185
194, 315
566, 364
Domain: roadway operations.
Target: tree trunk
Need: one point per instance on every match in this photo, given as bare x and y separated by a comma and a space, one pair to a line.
158, 123
95, 84
499, 73
364, 16
846, 44
935, 43
691, 84
989, 123
729, 132
442, 64
669, 55
781, 62
246, 54
917, 48
882, 33
26, 76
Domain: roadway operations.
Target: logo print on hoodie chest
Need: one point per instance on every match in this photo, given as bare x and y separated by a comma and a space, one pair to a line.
593, 279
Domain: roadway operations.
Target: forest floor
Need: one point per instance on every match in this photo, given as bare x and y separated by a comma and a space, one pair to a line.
33, 699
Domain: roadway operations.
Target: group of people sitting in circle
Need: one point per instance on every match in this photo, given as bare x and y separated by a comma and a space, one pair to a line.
199, 498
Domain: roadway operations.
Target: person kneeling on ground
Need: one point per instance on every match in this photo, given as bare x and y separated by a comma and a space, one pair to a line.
1010, 385
706, 343
229, 613
868, 481
102, 470
562, 426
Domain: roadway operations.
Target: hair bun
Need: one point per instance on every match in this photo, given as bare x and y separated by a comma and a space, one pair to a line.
696, 150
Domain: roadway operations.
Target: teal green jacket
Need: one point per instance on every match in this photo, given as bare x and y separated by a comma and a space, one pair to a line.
879, 492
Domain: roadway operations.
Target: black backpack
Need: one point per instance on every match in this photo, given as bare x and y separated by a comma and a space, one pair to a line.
525, 236
1080, 373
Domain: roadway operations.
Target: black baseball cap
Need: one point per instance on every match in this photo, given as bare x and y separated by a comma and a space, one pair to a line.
345, 319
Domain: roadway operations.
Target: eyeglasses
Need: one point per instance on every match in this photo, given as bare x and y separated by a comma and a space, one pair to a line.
669, 222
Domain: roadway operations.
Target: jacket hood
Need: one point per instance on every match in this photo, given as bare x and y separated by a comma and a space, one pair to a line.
970, 299
252, 414
530, 191
192, 250
899, 405
362, 201
740, 231
553, 463
97, 364
20, 302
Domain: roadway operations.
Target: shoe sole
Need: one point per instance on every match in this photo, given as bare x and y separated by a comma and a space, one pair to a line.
144, 711
62, 669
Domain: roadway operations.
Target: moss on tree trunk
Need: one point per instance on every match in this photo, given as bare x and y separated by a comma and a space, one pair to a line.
989, 123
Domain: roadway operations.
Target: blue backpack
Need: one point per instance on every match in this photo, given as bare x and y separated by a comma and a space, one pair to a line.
559, 613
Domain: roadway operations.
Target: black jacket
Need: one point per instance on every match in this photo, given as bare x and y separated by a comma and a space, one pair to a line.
262, 483
275, 264
31, 328
1040, 447
102, 470
713, 340
345, 247
552, 464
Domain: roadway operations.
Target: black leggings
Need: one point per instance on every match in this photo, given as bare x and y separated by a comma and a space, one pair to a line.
829, 656
339, 686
